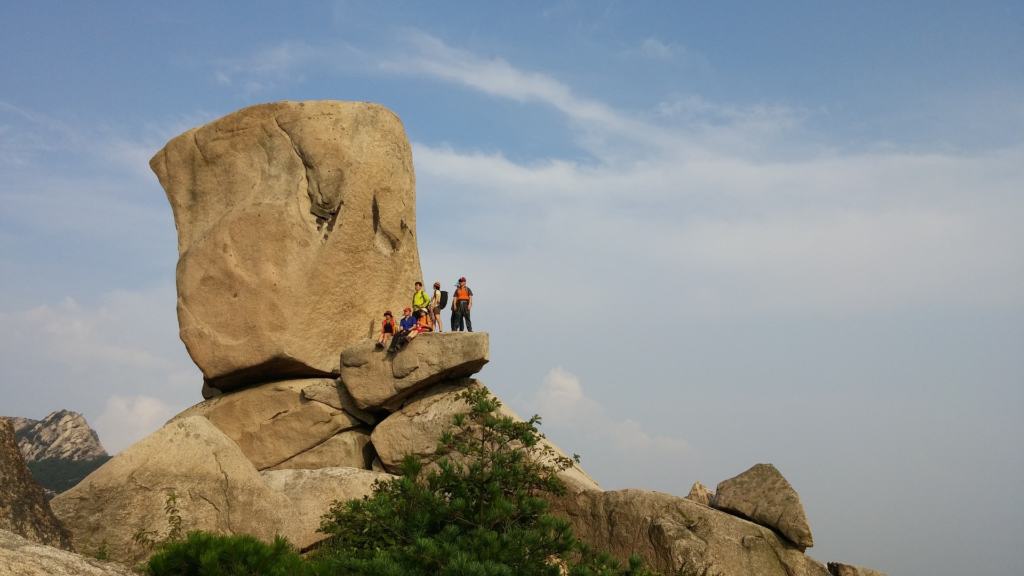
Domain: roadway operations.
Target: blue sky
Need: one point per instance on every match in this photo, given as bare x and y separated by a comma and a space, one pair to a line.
701, 236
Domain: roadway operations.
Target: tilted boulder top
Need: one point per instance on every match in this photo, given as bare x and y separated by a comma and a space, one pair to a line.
296, 230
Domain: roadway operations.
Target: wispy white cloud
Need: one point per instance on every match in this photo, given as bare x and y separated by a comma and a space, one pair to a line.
118, 361
570, 413
126, 419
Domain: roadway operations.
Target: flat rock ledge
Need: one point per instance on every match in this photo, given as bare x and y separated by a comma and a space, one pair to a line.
377, 379
763, 495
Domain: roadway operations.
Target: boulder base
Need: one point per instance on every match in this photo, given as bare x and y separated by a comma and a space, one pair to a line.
274, 423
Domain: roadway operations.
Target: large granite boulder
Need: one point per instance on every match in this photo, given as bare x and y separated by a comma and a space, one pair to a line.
417, 426
273, 423
21, 557
296, 230
678, 536
840, 569
379, 379
216, 487
312, 492
762, 495
23, 506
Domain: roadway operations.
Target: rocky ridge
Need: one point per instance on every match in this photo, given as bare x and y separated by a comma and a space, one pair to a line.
23, 506
296, 230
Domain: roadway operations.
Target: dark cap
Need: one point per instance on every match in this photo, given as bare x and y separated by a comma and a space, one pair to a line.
463, 279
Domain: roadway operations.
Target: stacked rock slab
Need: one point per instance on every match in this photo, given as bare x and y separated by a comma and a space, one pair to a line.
23, 506
378, 379
764, 496
296, 229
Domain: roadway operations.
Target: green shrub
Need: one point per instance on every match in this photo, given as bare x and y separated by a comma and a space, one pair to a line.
205, 554
480, 510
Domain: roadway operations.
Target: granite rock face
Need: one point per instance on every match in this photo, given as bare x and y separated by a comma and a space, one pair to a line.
296, 230
378, 379
217, 489
22, 557
762, 495
23, 506
678, 536
311, 493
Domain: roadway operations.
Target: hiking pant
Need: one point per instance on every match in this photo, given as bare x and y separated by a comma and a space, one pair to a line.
459, 313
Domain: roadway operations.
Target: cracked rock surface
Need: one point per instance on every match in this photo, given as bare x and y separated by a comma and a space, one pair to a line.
296, 230
23, 507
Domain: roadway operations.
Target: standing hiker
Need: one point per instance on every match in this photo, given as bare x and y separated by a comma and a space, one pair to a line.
461, 307
420, 300
436, 304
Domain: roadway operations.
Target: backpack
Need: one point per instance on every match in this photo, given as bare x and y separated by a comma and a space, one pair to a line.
444, 300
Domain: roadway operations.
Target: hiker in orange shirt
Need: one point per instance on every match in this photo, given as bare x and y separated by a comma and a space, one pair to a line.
461, 306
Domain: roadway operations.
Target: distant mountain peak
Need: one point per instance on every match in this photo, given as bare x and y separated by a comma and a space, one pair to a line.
61, 435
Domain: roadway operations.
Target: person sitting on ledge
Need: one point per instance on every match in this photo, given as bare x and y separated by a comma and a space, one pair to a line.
407, 331
387, 329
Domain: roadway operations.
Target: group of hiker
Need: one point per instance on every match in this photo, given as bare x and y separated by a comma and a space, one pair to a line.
425, 315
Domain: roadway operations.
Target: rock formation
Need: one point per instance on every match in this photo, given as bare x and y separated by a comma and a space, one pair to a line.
296, 229
22, 557
23, 506
764, 496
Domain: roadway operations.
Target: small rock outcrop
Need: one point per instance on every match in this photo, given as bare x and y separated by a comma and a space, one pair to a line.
678, 536
22, 557
699, 493
296, 230
379, 379
23, 506
839, 569
763, 495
